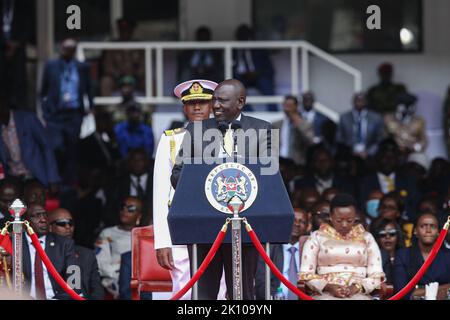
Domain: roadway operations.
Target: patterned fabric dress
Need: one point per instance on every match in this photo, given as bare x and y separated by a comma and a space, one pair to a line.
330, 258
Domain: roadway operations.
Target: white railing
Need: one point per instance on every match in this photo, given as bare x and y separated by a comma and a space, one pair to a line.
298, 50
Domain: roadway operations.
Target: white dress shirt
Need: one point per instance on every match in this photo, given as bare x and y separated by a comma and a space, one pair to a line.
286, 260
48, 285
322, 185
309, 115
134, 183
223, 153
383, 183
285, 138
359, 116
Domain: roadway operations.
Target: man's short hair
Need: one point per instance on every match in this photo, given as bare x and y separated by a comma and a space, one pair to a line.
291, 97
342, 200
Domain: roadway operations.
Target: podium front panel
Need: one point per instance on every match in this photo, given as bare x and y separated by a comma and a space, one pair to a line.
192, 219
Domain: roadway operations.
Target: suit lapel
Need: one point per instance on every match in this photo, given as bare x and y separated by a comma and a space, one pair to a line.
50, 247
376, 181
81, 81
244, 122
26, 258
59, 74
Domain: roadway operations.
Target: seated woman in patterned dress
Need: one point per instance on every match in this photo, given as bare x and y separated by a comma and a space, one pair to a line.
341, 260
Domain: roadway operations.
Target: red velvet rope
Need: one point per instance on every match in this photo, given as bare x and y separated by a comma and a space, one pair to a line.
411, 284
51, 268
203, 266
274, 269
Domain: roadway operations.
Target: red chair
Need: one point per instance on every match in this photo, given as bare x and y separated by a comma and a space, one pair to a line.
146, 274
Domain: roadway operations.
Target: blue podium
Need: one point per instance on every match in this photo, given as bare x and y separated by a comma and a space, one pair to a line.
193, 220
208, 194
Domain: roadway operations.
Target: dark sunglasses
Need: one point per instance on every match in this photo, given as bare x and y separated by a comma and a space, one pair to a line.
384, 233
63, 222
130, 208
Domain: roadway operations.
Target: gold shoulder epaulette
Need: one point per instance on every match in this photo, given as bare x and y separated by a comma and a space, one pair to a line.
169, 132
174, 131
179, 130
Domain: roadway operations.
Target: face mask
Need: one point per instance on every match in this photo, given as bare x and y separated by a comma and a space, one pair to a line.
372, 207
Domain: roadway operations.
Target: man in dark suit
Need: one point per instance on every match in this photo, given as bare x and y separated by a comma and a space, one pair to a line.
100, 150
287, 258
253, 67
387, 178
66, 85
201, 64
61, 223
229, 99
321, 175
360, 129
24, 149
138, 182
312, 116
59, 250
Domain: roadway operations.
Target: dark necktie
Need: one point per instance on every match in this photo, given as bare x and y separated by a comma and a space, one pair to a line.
359, 133
292, 273
139, 189
39, 278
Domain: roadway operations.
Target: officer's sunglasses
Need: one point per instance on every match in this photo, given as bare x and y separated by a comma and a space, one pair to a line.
63, 222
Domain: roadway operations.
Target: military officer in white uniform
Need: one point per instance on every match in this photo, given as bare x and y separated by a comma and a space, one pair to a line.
196, 96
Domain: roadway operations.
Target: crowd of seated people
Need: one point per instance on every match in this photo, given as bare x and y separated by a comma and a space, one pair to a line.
94, 190
389, 205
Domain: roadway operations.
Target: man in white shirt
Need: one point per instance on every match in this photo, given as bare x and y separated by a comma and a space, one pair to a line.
286, 257
60, 251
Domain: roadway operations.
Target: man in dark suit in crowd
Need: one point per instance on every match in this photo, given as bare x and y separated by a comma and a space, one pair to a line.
24, 149
66, 86
287, 258
59, 250
253, 67
312, 116
321, 175
138, 182
387, 178
360, 129
100, 150
228, 100
201, 63
61, 223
